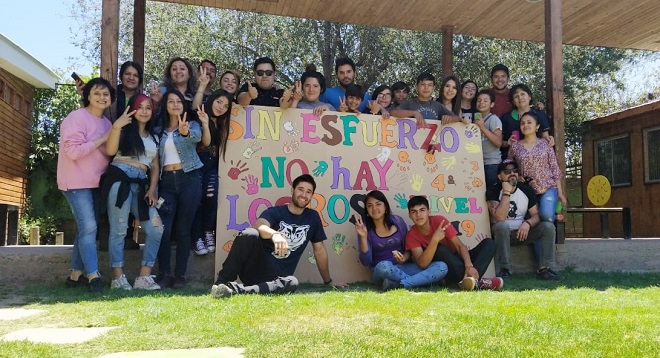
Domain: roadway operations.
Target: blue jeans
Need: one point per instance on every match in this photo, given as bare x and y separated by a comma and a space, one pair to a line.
83, 256
547, 204
490, 171
119, 221
182, 192
409, 274
206, 217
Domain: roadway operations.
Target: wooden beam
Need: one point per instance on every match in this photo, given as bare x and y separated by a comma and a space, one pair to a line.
554, 78
110, 40
139, 11
447, 50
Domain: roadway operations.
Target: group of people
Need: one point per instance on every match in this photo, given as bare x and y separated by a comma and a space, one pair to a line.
155, 158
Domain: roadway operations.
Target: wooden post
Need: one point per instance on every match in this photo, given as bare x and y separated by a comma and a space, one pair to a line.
447, 51
34, 235
59, 238
554, 78
110, 40
139, 8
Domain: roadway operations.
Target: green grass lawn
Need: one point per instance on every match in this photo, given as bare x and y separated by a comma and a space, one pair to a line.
586, 315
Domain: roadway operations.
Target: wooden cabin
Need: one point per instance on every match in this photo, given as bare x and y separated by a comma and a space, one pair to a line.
20, 74
625, 148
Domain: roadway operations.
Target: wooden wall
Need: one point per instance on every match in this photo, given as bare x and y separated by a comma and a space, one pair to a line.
16, 99
642, 198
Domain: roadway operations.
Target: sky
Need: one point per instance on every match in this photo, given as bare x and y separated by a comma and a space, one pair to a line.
43, 29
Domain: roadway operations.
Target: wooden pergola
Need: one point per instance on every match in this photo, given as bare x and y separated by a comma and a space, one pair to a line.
608, 23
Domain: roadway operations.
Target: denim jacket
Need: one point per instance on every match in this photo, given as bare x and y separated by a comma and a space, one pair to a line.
185, 146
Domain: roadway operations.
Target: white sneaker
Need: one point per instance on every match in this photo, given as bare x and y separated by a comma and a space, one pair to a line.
221, 291
209, 237
200, 249
121, 283
467, 284
145, 283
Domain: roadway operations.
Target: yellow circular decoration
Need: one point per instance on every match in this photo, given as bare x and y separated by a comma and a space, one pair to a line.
599, 190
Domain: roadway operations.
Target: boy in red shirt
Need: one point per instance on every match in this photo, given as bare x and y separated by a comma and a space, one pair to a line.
433, 238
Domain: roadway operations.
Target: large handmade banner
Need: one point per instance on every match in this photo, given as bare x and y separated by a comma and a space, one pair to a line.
348, 155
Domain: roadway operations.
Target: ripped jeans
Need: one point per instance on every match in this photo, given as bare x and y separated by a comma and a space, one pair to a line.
547, 204
206, 216
118, 218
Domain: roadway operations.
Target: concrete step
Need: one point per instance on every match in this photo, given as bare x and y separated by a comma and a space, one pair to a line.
20, 265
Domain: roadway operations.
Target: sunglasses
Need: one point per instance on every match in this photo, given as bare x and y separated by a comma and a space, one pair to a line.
510, 170
265, 72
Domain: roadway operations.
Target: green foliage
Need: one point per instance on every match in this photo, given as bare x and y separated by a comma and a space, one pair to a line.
50, 108
48, 225
233, 39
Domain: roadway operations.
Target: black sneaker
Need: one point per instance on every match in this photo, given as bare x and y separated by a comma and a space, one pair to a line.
391, 284
548, 274
95, 286
504, 274
164, 280
179, 282
81, 282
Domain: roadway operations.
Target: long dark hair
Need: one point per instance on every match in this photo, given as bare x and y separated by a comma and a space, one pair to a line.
222, 130
378, 195
456, 102
130, 141
165, 117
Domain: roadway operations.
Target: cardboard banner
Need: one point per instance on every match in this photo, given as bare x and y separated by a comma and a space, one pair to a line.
348, 155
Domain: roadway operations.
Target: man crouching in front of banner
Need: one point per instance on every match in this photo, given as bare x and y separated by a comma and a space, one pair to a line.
266, 255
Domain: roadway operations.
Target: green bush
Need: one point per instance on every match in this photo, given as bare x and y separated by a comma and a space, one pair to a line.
47, 224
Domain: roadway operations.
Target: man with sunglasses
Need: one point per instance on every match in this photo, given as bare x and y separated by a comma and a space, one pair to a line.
515, 220
263, 91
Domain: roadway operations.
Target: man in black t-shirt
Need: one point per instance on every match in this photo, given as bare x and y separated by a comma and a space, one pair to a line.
263, 91
266, 255
515, 220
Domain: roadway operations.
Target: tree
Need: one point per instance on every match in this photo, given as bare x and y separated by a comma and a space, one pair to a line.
233, 39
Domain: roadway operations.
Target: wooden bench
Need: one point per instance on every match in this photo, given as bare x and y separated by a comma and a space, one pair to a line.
604, 220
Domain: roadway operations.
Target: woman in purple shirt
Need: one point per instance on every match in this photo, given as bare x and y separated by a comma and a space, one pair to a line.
381, 246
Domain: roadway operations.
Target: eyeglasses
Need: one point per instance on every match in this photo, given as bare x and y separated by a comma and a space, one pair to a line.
265, 72
510, 170
384, 95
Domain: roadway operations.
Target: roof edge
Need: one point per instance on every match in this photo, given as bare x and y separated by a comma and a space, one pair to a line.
21, 64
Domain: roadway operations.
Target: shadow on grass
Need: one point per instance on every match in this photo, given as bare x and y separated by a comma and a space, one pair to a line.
55, 292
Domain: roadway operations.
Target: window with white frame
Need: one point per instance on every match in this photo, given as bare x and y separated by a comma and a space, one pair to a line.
613, 160
652, 155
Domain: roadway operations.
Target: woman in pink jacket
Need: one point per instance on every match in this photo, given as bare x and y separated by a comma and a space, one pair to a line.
81, 161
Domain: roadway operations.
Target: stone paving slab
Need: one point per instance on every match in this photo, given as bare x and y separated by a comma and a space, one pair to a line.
10, 314
222, 352
57, 335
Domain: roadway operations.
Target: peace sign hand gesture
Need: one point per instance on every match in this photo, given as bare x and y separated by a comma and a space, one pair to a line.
342, 104
184, 126
360, 228
125, 119
439, 233
297, 93
203, 116
204, 78
286, 97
